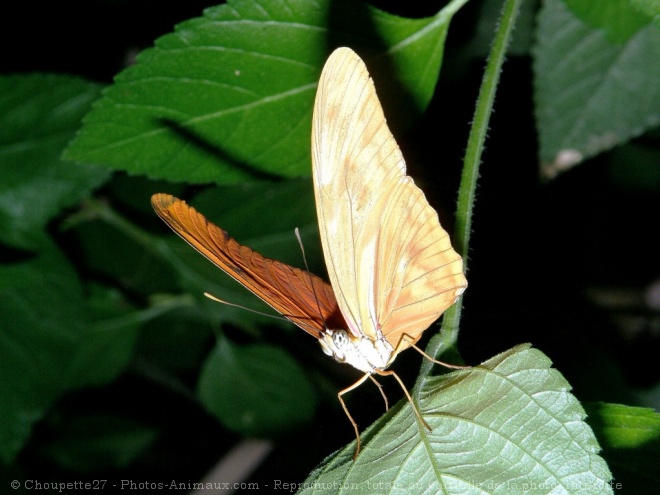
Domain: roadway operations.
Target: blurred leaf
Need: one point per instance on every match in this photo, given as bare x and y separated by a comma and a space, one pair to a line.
508, 426
523, 36
42, 307
591, 94
57, 341
178, 341
256, 390
133, 192
123, 260
107, 346
636, 166
630, 437
98, 441
626, 427
618, 18
649, 7
229, 95
38, 117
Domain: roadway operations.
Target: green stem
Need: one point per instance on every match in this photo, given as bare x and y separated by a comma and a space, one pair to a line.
151, 243
450, 323
100, 210
143, 315
95, 209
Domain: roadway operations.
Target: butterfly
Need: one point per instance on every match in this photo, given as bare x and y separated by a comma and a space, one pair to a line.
391, 265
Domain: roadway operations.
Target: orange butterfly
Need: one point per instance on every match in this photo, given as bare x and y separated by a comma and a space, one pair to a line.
391, 265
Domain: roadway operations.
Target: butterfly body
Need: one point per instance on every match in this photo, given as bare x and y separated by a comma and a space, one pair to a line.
360, 352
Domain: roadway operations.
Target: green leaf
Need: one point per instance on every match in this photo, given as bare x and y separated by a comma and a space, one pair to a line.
98, 441
618, 18
107, 345
229, 95
43, 312
635, 166
56, 340
522, 37
124, 259
591, 94
649, 7
179, 340
39, 115
630, 437
508, 426
256, 390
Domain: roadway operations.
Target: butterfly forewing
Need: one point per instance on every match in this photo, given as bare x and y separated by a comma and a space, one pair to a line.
298, 295
389, 260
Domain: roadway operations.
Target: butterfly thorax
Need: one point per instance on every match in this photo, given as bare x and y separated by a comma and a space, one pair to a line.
360, 352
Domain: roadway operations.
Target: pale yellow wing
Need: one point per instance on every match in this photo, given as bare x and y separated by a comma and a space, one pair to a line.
390, 262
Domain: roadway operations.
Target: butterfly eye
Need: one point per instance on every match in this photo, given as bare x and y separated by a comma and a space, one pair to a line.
339, 338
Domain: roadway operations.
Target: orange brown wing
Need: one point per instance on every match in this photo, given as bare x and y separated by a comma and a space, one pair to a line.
298, 295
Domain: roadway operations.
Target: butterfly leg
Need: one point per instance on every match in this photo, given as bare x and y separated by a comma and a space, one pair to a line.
382, 392
350, 418
442, 363
405, 391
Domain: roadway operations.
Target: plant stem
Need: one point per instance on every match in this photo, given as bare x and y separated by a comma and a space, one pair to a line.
448, 334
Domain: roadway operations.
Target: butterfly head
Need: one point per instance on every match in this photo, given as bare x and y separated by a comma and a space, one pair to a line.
360, 352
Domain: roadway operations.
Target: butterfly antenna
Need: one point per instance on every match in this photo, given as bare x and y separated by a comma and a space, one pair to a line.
316, 298
217, 299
